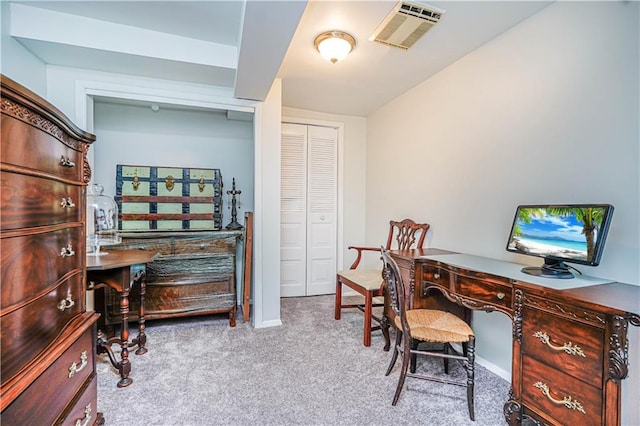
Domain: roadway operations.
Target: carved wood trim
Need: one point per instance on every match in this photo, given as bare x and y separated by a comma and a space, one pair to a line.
517, 316
19, 112
565, 310
618, 349
86, 169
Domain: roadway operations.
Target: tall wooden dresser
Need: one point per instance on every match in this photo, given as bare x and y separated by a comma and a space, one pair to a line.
48, 338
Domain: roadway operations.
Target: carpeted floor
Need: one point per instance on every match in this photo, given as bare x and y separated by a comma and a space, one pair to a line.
312, 370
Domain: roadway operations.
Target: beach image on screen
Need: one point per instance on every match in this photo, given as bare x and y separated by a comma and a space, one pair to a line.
567, 233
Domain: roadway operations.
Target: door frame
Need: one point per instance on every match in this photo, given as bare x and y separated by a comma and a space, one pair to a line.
340, 192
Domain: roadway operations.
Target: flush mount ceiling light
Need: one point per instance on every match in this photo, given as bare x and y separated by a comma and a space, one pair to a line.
334, 45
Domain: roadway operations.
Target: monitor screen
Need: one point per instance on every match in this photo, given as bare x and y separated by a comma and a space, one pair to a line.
561, 233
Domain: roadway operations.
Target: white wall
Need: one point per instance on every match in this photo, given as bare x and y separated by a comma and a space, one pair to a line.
266, 283
18, 63
352, 177
136, 135
548, 112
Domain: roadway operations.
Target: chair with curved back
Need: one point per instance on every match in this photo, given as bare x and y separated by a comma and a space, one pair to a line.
368, 282
414, 326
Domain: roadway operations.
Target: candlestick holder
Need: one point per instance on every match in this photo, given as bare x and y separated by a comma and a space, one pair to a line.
234, 225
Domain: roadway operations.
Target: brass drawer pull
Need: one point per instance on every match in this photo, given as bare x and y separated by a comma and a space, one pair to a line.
66, 303
500, 295
75, 368
67, 251
87, 417
567, 401
569, 347
66, 162
436, 276
66, 203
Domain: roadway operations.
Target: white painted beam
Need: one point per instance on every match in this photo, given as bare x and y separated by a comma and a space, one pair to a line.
267, 31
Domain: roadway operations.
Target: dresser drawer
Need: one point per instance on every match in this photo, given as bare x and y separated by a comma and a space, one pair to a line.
568, 346
204, 245
43, 401
190, 270
27, 331
171, 298
29, 201
37, 262
31, 148
85, 410
558, 397
158, 245
492, 292
213, 295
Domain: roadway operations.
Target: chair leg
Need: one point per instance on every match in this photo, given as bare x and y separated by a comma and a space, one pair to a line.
384, 326
414, 346
469, 349
446, 360
338, 298
394, 357
368, 310
406, 355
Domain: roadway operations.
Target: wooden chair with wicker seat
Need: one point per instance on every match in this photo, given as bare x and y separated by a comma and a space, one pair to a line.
368, 282
414, 326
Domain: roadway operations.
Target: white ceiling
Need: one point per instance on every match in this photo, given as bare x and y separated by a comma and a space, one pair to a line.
244, 45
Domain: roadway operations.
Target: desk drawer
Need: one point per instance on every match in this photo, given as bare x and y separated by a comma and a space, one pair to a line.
483, 290
568, 346
433, 274
559, 397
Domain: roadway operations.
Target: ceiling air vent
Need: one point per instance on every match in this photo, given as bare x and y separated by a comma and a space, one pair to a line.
406, 23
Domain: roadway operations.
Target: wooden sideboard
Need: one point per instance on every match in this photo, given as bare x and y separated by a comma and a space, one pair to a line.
570, 349
194, 274
48, 338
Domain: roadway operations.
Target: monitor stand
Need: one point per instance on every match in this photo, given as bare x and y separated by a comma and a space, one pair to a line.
550, 269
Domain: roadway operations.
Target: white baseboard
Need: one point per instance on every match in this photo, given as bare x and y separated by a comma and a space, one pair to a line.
272, 323
494, 368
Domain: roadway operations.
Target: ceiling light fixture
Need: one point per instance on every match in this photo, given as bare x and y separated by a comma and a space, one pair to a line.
334, 45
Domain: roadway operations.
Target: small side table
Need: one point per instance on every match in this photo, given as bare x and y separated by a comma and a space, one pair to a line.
121, 270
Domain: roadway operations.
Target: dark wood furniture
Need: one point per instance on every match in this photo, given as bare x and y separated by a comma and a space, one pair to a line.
247, 265
368, 282
121, 271
570, 349
194, 274
437, 328
48, 338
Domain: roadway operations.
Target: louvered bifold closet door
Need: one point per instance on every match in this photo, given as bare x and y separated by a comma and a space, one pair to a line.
293, 205
322, 166
308, 210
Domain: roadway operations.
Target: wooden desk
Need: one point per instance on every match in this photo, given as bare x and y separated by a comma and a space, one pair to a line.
570, 349
121, 270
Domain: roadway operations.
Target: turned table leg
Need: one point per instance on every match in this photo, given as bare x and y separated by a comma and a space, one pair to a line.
124, 366
141, 340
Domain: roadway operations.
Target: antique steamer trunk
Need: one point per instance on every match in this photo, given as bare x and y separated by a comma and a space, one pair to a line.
48, 338
168, 198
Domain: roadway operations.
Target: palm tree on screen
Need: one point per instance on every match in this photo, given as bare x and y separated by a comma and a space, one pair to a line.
590, 217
